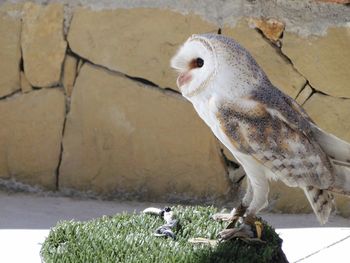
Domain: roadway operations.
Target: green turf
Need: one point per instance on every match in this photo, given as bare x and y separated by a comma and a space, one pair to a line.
129, 238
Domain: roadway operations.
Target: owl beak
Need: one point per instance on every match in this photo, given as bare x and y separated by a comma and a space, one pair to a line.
183, 78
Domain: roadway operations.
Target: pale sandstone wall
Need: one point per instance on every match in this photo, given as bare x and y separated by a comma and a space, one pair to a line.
89, 103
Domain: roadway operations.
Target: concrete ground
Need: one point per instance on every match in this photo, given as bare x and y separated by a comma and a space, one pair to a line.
25, 220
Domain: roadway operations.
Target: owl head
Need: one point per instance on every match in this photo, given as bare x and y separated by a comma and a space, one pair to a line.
211, 58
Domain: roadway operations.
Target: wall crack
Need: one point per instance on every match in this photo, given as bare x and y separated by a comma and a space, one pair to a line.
57, 172
11, 95
147, 83
278, 49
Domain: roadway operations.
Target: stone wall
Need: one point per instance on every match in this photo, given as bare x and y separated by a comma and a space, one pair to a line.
89, 103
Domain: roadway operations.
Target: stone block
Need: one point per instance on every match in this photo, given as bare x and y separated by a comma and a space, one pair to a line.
138, 42
128, 138
69, 73
323, 60
25, 85
304, 95
330, 114
10, 52
271, 28
43, 43
31, 127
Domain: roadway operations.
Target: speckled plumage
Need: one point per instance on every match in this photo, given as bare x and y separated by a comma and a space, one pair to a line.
267, 131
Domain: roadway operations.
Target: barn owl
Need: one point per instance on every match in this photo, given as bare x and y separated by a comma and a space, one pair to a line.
269, 134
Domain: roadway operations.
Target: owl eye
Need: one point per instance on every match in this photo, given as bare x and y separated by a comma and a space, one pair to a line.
197, 63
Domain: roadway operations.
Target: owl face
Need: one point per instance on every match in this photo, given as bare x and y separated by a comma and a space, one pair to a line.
195, 63
215, 63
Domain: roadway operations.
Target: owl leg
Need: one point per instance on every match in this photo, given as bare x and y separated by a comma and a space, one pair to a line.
260, 186
238, 211
249, 227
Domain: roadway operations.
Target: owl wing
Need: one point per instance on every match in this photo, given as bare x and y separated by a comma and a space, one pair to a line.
277, 141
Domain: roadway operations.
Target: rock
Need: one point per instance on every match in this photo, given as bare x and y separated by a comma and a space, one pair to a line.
43, 44
331, 114
284, 199
227, 153
69, 74
30, 136
80, 64
138, 42
10, 52
123, 137
25, 85
323, 60
304, 95
342, 205
271, 28
280, 72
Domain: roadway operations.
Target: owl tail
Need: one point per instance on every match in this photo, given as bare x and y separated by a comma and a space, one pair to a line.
321, 202
339, 153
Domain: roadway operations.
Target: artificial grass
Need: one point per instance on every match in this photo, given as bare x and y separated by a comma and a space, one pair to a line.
129, 238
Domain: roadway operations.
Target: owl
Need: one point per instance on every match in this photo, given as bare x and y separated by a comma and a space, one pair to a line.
268, 133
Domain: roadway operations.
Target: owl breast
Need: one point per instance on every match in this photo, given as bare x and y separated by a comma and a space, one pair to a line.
207, 108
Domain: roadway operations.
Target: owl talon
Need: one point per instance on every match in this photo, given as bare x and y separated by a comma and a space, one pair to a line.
222, 217
233, 221
233, 216
249, 231
242, 231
